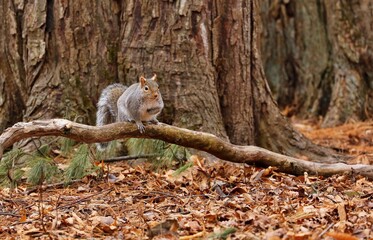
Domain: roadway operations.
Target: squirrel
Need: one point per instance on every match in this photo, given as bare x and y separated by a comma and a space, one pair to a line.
140, 102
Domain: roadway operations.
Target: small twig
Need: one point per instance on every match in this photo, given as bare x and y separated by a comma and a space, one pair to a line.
38, 147
55, 221
325, 230
164, 193
41, 205
194, 236
330, 198
220, 192
121, 158
18, 223
33, 189
9, 214
367, 195
84, 199
152, 193
155, 193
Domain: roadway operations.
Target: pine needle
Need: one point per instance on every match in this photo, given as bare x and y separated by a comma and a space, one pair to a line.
223, 234
66, 146
10, 172
42, 169
112, 149
166, 153
80, 165
183, 168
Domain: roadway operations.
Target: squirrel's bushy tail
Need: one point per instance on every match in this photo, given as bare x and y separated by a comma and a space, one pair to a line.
102, 118
107, 108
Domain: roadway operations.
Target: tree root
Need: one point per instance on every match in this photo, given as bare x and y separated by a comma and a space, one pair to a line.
199, 140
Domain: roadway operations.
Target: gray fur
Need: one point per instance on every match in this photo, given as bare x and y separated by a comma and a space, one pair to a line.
107, 108
138, 103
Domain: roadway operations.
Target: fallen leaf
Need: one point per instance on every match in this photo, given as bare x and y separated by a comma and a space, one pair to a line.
341, 236
167, 227
342, 212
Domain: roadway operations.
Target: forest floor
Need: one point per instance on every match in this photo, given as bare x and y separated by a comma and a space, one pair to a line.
210, 200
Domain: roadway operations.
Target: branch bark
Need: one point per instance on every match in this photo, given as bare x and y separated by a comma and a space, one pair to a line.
199, 140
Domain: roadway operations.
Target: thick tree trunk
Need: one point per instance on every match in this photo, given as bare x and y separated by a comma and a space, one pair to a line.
274, 130
205, 54
232, 55
295, 51
350, 29
12, 72
54, 54
317, 57
173, 39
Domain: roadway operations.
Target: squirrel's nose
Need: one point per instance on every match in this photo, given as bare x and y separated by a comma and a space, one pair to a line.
155, 95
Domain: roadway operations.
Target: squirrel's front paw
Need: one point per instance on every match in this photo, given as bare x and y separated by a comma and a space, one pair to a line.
141, 127
154, 121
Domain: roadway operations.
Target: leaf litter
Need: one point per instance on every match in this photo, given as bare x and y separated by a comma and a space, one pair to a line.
208, 200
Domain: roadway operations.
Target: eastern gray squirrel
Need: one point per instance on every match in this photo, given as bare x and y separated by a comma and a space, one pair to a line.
141, 102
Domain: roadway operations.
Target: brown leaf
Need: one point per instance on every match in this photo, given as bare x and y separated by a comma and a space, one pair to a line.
263, 173
237, 191
194, 226
198, 161
341, 236
260, 204
342, 212
23, 217
168, 227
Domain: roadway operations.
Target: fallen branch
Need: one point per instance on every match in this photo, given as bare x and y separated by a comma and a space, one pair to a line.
202, 141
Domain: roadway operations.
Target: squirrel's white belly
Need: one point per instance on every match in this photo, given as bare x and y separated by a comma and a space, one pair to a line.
149, 114
150, 111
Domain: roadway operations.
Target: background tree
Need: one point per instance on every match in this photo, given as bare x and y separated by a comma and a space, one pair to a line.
317, 57
59, 56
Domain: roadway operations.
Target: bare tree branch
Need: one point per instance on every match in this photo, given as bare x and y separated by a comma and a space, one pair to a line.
202, 141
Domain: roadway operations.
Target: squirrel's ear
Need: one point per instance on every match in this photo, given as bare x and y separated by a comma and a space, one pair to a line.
154, 78
142, 81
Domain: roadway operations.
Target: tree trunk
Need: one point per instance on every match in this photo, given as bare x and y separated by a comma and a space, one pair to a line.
54, 55
296, 55
205, 54
317, 57
232, 44
173, 39
350, 30
12, 88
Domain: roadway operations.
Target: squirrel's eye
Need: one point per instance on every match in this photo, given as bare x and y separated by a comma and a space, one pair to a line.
146, 88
